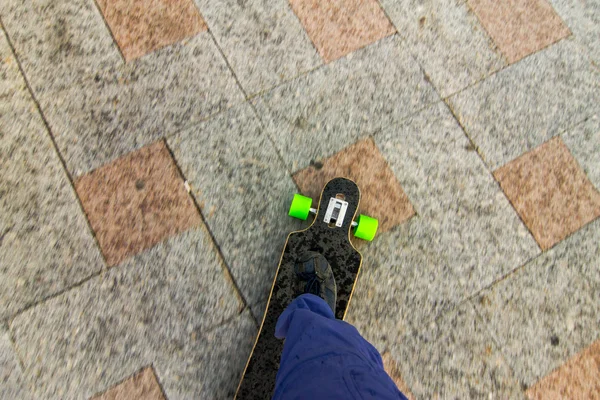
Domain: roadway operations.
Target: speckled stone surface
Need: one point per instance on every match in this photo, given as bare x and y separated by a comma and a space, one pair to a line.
339, 27
473, 223
141, 386
455, 357
160, 308
391, 367
578, 378
583, 142
12, 382
550, 192
529, 102
140, 27
244, 192
263, 41
136, 201
520, 27
382, 196
58, 42
583, 19
45, 242
121, 109
319, 114
447, 40
547, 311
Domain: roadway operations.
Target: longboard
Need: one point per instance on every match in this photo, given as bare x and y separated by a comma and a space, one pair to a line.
329, 234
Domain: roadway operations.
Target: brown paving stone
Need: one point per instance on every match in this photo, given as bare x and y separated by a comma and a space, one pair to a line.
136, 202
391, 368
338, 27
578, 378
382, 196
550, 192
142, 386
142, 26
520, 27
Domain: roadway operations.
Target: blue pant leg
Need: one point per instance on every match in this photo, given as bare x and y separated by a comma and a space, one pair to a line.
326, 358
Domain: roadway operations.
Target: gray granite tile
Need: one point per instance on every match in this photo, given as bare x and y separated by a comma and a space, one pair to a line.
529, 102
209, 365
263, 41
147, 309
454, 357
447, 40
319, 114
583, 142
124, 108
244, 192
46, 245
13, 384
549, 310
472, 221
583, 19
405, 281
58, 42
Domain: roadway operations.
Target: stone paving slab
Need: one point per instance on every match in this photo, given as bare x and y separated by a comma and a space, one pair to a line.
548, 310
451, 189
263, 41
529, 102
141, 386
583, 142
448, 41
583, 19
319, 114
146, 310
13, 384
46, 245
455, 357
244, 192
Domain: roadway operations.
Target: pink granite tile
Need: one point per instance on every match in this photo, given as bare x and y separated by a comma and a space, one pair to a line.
392, 370
550, 192
136, 201
142, 26
338, 27
142, 386
520, 27
578, 378
382, 196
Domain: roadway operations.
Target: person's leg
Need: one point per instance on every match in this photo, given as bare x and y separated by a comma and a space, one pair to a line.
326, 358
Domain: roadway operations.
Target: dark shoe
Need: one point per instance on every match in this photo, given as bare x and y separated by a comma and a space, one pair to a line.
315, 276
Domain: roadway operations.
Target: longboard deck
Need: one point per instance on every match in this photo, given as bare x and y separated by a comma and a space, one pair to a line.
258, 380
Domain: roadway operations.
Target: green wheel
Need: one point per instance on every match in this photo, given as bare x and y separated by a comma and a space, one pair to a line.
366, 227
300, 207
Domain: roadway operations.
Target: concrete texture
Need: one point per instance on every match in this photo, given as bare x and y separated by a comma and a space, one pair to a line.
380, 192
13, 383
447, 40
143, 26
151, 309
520, 27
340, 27
547, 311
136, 201
46, 245
583, 142
578, 378
319, 114
550, 192
263, 41
141, 386
473, 224
244, 192
455, 357
529, 102
583, 19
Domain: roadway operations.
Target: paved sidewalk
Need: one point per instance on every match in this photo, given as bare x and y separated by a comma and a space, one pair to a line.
149, 150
